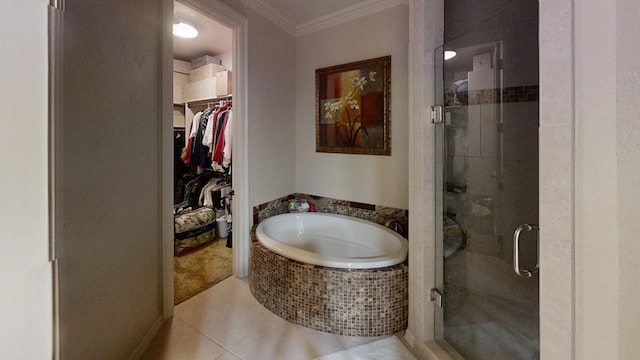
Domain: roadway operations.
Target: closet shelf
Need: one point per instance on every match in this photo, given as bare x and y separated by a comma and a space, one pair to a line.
205, 102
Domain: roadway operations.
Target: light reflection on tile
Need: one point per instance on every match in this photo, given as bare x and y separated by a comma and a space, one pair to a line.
227, 323
178, 340
388, 348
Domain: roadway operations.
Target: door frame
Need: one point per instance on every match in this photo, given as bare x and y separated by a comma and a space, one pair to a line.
242, 212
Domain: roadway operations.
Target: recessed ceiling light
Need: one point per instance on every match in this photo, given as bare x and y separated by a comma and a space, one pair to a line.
185, 29
449, 54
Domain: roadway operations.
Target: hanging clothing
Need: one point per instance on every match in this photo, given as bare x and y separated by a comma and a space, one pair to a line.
209, 141
210, 138
186, 154
226, 151
216, 136
179, 168
200, 152
217, 153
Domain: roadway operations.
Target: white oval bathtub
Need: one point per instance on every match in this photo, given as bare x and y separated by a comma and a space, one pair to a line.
332, 240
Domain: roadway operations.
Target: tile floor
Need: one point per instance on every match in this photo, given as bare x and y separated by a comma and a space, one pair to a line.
227, 323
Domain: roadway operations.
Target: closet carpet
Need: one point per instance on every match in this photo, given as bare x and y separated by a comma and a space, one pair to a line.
200, 269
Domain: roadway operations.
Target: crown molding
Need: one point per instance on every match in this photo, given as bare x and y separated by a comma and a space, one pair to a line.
347, 14
272, 15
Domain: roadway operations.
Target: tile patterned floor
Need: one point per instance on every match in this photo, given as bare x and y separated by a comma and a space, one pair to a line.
227, 323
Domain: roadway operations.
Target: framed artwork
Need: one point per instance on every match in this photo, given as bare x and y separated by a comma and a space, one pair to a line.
353, 106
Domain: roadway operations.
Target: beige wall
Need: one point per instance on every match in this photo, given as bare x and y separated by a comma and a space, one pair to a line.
109, 172
381, 180
25, 275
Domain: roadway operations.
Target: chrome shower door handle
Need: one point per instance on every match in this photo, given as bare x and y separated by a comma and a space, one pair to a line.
516, 250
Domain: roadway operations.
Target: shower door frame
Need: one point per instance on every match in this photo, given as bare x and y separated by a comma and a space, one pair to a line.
557, 187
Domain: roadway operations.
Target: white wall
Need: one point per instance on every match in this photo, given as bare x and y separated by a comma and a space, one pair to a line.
426, 24
26, 301
557, 181
373, 179
271, 106
227, 59
607, 203
596, 171
628, 140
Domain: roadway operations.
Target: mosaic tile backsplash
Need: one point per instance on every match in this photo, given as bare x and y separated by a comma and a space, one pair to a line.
374, 213
352, 302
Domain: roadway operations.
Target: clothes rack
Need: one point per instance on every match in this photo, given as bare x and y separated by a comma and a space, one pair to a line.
201, 105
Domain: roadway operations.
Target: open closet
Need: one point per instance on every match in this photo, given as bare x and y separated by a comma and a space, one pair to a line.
203, 125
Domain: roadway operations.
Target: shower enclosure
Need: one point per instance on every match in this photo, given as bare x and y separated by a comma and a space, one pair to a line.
487, 180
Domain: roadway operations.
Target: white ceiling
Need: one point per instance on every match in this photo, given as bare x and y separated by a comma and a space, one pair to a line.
294, 16
213, 38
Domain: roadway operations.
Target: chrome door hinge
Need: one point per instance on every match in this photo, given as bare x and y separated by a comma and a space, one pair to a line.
57, 4
436, 297
436, 114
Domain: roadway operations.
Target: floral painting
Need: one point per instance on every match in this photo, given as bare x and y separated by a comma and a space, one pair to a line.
352, 107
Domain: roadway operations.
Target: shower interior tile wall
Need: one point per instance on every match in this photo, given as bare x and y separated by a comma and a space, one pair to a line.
374, 213
472, 148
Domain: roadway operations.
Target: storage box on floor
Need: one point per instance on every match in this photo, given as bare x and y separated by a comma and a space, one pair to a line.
194, 228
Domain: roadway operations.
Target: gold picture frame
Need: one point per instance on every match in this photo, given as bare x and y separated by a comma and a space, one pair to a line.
353, 107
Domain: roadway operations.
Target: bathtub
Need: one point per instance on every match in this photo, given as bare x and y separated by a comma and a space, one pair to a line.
332, 240
331, 273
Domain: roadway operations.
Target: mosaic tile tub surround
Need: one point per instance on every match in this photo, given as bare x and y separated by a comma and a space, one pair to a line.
374, 213
360, 302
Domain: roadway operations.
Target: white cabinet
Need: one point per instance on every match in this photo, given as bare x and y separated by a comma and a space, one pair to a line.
179, 80
181, 70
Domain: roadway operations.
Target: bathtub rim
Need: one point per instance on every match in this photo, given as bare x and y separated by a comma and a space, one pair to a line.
308, 257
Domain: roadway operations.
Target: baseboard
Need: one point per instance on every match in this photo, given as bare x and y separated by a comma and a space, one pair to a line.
147, 339
409, 338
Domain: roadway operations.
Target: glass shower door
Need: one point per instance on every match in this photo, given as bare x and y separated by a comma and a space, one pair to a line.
487, 190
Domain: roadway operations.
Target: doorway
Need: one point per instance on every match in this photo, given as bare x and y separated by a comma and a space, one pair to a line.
237, 23
202, 125
487, 181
